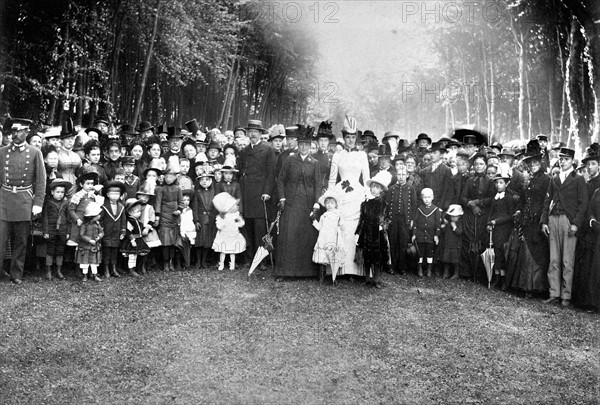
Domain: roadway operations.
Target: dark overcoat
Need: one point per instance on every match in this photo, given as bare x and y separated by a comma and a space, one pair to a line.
257, 177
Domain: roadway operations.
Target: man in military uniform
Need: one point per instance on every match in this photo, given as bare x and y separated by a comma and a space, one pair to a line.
257, 180
23, 178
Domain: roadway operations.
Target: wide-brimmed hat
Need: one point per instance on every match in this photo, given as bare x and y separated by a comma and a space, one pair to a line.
146, 188
392, 134
92, 209
567, 152
501, 176
330, 193
383, 178
113, 184
153, 166
52, 132
90, 173
325, 130
68, 129
423, 136
60, 183
256, 124
93, 129
223, 202
455, 210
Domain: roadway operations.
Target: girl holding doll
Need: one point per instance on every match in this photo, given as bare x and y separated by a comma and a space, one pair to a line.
329, 249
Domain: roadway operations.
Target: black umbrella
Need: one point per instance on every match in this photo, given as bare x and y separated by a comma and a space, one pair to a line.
460, 133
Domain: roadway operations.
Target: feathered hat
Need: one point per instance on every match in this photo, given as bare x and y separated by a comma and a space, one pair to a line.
350, 126
533, 151
325, 130
592, 153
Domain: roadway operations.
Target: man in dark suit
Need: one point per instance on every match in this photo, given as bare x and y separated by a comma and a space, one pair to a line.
565, 209
257, 179
438, 177
291, 136
23, 177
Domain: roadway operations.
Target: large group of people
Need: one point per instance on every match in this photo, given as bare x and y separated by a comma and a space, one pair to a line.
113, 199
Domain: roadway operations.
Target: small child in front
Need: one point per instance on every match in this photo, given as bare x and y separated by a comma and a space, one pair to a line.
228, 240
89, 251
372, 228
426, 230
54, 226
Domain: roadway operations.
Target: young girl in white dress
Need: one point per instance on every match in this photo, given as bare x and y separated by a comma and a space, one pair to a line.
229, 240
329, 249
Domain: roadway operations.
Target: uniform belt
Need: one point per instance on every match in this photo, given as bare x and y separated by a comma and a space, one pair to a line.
16, 189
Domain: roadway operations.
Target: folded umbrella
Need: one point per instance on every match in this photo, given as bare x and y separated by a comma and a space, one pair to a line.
267, 246
489, 257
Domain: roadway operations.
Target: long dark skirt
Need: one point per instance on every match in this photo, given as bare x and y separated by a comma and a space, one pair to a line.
529, 269
475, 241
586, 278
296, 241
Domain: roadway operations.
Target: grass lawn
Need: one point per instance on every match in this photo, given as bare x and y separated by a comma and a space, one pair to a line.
217, 337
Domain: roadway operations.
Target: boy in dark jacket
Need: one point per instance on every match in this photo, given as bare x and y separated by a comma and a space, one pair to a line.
113, 221
54, 226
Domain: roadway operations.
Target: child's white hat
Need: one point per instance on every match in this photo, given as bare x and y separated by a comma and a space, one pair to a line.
383, 178
455, 210
330, 193
223, 202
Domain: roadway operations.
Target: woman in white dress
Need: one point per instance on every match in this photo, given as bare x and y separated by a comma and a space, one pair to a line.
350, 164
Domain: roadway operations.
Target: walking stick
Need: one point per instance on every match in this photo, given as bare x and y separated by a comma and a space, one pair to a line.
268, 230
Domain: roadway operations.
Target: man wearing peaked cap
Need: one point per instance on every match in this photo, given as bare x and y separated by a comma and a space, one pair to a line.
22, 191
564, 212
257, 181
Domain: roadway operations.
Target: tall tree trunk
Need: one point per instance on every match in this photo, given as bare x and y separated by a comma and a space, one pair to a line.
574, 93
522, 90
492, 113
146, 68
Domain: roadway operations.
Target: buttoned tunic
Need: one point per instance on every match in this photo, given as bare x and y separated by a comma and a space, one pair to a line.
23, 177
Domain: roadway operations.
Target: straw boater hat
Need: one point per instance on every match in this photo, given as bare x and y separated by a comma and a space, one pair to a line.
92, 209
330, 193
383, 178
223, 202
256, 124
455, 210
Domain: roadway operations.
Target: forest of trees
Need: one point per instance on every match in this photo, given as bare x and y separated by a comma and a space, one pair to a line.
219, 61
515, 68
532, 67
